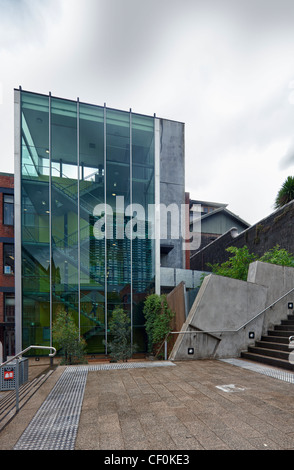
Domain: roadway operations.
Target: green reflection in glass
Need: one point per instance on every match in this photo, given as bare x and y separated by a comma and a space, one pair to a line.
92, 251
64, 208
35, 218
142, 246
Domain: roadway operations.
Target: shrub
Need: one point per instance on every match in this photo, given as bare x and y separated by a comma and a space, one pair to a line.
120, 330
237, 266
66, 334
158, 318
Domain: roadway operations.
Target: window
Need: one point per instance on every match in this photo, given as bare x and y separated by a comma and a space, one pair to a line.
9, 303
8, 258
8, 209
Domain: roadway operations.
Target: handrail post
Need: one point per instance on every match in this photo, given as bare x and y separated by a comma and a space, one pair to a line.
17, 358
17, 384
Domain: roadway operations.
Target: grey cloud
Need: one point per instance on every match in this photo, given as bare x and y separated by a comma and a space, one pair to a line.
287, 160
25, 22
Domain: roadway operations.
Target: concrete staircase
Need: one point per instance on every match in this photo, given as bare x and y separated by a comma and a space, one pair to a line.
273, 348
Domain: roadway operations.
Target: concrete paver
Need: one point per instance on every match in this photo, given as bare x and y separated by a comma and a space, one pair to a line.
182, 408
194, 405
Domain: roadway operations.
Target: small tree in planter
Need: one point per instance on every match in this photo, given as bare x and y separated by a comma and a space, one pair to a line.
120, 330
158, 317
66, 334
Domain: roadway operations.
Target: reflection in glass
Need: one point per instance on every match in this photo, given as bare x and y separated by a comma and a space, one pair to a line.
77, 157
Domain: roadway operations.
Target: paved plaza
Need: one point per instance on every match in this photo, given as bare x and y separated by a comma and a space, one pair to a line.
190, 405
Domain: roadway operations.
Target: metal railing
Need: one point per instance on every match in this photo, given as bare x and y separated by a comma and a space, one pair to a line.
220, 331
17, 358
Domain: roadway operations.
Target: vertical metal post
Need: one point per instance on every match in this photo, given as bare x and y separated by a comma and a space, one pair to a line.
131, 241
157, 202
17, 218
50, 225
79, 235
165, 350
105, 233
17, 384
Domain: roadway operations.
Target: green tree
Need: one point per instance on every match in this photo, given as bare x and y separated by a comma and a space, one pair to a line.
286, 193
158, 318
66, 335
120, 330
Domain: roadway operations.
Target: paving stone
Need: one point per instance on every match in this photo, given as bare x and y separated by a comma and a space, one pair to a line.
150, 406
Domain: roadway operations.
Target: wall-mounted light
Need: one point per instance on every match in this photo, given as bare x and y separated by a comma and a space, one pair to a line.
190, 351
290, 305
251, 334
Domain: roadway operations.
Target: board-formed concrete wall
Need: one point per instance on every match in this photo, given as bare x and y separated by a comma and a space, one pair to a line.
276, 229
224, 305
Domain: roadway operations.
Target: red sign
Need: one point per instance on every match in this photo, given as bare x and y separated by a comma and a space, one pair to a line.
8, 374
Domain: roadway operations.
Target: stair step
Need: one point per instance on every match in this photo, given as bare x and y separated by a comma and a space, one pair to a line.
273, 345
288, 322
267, 360
276, 339
275, 353
284, 333
284, 327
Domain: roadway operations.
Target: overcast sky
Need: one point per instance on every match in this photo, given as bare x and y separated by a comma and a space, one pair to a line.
223, 67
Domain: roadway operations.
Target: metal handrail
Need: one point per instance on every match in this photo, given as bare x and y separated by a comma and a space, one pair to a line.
220, 331
17, 357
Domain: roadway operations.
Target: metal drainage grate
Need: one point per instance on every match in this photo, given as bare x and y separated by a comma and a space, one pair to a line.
129, 365
55, 425
275, 373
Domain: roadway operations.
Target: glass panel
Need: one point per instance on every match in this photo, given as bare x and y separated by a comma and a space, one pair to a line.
118, 185
35, 218
9, 307
64, 204
8, 209
8, 258
92, 250
142, 245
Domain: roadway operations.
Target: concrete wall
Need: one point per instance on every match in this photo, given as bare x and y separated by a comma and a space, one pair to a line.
279, 280
172, 182
224, 304
275, 229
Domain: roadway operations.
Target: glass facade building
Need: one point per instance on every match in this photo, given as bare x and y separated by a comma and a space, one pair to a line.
80, 165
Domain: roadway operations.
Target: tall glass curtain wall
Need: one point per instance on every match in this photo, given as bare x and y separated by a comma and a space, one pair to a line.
76, 157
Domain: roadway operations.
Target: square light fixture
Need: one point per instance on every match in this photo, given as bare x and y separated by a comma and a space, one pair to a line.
251, 334
190, 351
290, 305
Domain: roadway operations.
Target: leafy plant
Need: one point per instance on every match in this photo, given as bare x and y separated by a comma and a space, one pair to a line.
66, 335
279, 256
286, 193
120, 330
158, 318
237, 265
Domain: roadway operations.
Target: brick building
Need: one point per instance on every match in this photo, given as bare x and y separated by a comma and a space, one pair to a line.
7, 323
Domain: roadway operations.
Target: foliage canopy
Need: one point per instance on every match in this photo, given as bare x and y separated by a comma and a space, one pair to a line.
286, 192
